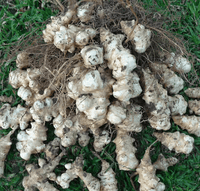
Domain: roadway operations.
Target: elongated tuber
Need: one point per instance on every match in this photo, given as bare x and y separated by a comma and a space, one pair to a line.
194, 106
180, 142
147, 174
5, 144
190, 123
125, 151
52, 149
193, 92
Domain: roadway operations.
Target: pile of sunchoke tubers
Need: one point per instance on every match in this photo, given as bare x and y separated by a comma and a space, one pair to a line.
103, 89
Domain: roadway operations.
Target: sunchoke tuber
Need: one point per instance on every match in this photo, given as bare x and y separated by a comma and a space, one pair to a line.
180, 142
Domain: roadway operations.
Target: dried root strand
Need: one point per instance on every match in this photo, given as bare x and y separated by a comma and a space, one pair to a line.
190, 123
180, 142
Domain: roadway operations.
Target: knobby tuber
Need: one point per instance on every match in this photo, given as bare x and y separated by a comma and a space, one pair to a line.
176, 62
125, 151
167, 77
180, 142
193, 92
194, 106
12, 117
75, 170
5, 144
190, 123
162, 163
31, 140
147, 174
38, 177
140, 36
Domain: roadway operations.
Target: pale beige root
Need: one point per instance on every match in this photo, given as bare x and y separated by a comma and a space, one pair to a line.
91, 82
12, 117
176, 62
56, 23
194, 106
162, 163
6, 99
107, 176
92, 55
5, 144
120, 60
140, 36
68, 131
190, 123
75, 170
125, 151
38, 177
116, 113
30, 96
66, 39
180, 142
42, 111
133, 119
52, 149
126, 88
156, 97
31, 140
177, 105
147, 174
167, 77
85, 11
193, 92
100, 140
22, 60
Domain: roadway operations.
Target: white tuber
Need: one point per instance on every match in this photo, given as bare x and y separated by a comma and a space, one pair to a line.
84, 12
140, 36
132, 121
180, 142
194, 106
92, 55
193, 92
5, 144
22, 60
147, 174
107, 176
52, 149
116, 113
162, 163
31, 140
176, 62
66, 39
75, 170
12, 117
126, 88
38, 177
167, 77
190, 123
125, 151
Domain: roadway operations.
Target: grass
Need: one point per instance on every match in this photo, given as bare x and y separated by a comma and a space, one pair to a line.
22, 18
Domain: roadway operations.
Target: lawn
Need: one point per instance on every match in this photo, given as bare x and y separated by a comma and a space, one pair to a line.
23, 18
